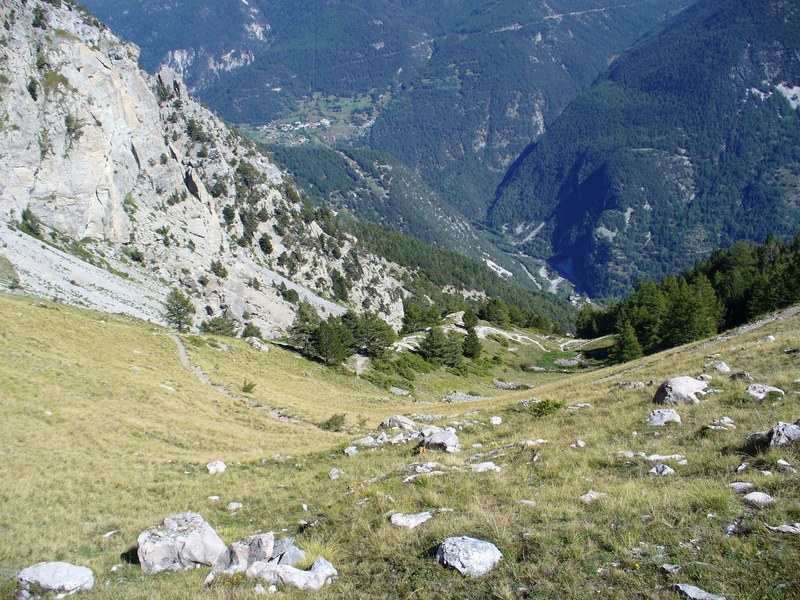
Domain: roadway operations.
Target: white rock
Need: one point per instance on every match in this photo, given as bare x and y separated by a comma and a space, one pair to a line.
578, 444
705, 377
398, 422
441, 439
759, 391
693, 593
469, 556
792, 529
668, 569
767, 340
321, 573
234, 505
680, 390
59, 577
216, 466
785, 467
335, 473
741, 487
351, 451
591, 496
182, 541
214, 498
662, 470
718, 366
496, 421
484, 467
662, 416
532, 443
241, 555
528, 502
758, 499
411, 521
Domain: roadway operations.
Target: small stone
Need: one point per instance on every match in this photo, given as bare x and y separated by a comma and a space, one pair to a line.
742, 376
496, 421
767, 340
792, 529
668, 569
485, 467
731, 530
662, 470
785, 467
758, 499
579, 406
216, 466
108, 534
528, 502
591, 496
117, 568
693, 593
630, 385
469, 556
396, 391
234, 505
398, 422
742, 467
351, 451
578, 444
532, 443
660, 417
214, 498
411, 521
335, 473
741, 487
705, 377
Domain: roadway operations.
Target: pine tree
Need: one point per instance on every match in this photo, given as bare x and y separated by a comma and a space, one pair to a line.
302, 329
453, 350
434, 347
470, 319
472, 345
329, 342
378, 335
626, 347
178, 310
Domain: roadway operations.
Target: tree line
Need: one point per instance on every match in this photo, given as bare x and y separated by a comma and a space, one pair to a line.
727, 289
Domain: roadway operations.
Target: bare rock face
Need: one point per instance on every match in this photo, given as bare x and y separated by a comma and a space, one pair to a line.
58, 577
131, 165
182, 541
680, 390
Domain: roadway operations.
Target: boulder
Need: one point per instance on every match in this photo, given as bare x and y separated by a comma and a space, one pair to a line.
783, 434
240, 555
216, 466
441, 439
182, 541
321, 573
759, 391
679, 390
257, 344
58, 577
717, 366
398, 422
758, 499
662, 416
693, 593
410, 521
469, 556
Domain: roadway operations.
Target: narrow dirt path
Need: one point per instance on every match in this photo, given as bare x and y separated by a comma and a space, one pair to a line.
198, 372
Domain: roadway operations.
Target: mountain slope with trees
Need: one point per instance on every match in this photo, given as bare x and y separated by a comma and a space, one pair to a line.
658, 163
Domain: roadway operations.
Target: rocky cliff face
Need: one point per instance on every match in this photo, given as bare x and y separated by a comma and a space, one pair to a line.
149, 181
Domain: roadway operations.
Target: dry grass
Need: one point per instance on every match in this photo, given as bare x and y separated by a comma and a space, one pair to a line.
119, 451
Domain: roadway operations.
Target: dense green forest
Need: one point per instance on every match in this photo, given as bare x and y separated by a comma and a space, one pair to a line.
729, 288
657, 163
431, 271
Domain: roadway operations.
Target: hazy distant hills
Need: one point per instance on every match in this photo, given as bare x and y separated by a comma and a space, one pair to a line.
469, 83
689, 142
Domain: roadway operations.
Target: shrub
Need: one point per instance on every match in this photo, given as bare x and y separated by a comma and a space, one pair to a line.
218, 269
251, 330
219, 326
335, 423
30, 223
248, 386
178, 310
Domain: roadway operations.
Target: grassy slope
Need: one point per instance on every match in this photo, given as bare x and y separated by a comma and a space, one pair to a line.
115, 453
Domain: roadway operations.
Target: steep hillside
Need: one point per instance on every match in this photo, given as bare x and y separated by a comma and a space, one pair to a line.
376, 187
659, 163
91, 459
130, 173
454, 89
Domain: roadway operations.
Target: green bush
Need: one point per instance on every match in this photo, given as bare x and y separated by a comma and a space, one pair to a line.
219, 326
335, 423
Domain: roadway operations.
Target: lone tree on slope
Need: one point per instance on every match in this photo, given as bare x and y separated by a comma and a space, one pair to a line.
178, 310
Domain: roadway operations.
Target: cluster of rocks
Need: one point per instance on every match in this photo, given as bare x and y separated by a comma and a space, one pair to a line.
431, 437
187, 541
510, 385
456, 397
782, 434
